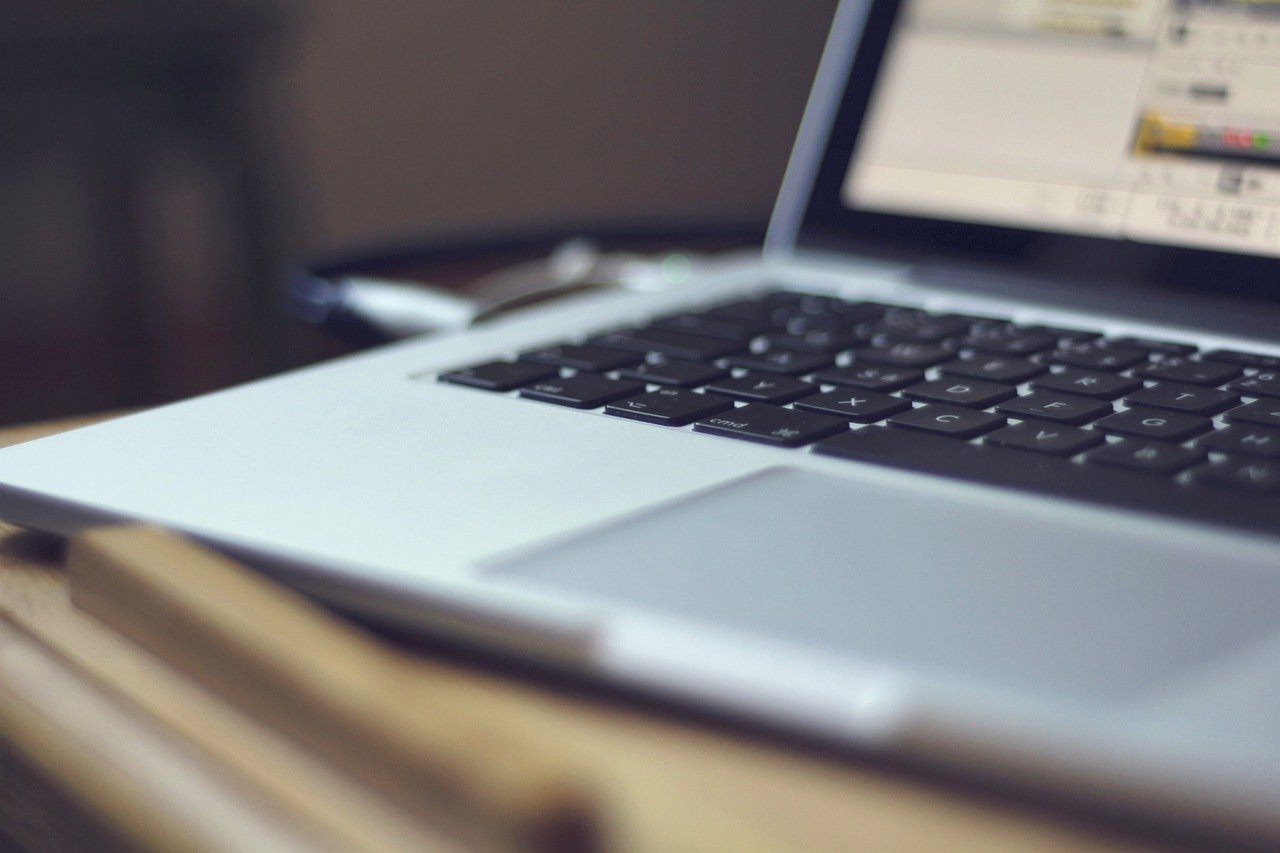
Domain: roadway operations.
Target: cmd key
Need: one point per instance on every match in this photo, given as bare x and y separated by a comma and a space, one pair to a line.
772, 425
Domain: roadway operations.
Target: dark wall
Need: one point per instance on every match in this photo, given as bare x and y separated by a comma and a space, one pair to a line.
163, 162
458, 113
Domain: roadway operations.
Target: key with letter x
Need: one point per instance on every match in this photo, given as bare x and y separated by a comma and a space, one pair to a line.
864, 407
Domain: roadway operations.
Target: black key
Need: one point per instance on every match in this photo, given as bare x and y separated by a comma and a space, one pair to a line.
669, 406
1087, 383
791, 297
948, 420
667, 342
867, 310
986, 463
916, 325
994, 368
752, 310
1041, 473
712, 326
813, 304
904, 354
771, 425
1051, 406
817, 340
784, 311
1001, 338
1192, 399
1244, 359
1179, 369
1263, 412
1143, 456
584, 391
979, 318
1055, 439
870, 376
1244, 440
1099, 354
1162, 347
823, 322
1153, 423
1074, 335
809, 303
499, 375
592, 358
961, 392
1255, 475
1266, 384
864, 407
674, 371
762, 388
781, 361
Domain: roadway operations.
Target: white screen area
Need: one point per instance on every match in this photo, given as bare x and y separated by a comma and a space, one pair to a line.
1151, 120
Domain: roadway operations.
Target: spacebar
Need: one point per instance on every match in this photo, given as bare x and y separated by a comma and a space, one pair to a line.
1049, 475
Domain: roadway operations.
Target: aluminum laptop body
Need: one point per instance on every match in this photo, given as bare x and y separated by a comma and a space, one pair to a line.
1100, 622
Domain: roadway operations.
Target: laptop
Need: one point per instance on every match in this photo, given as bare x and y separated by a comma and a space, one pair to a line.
977, 465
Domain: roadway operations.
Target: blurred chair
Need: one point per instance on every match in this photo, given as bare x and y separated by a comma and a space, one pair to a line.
141, 232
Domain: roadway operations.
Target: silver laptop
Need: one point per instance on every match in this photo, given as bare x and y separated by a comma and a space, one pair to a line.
977, 465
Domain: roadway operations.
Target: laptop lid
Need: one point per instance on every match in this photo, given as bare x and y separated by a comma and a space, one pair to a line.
1057, 139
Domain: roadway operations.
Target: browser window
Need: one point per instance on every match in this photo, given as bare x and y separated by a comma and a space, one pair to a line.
1150, 120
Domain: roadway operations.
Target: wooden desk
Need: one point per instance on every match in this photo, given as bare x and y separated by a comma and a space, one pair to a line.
671, 781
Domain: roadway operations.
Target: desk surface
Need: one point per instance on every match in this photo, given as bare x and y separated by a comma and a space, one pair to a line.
671, 780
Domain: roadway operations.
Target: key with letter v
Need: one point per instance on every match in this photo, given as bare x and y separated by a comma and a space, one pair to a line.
1055, 440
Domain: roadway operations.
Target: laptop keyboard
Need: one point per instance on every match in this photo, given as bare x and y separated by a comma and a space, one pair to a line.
1148, 424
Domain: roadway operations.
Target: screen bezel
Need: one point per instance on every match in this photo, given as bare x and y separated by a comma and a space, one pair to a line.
828, 226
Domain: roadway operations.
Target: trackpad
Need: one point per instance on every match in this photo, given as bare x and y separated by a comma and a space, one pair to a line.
989, 588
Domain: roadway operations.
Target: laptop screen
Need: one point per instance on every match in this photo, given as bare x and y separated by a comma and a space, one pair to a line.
1146, 120
1140, 137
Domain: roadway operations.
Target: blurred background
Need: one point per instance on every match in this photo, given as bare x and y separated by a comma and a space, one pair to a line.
163, 163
